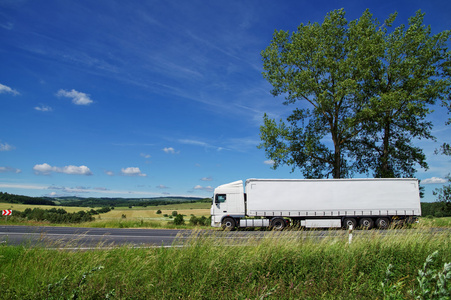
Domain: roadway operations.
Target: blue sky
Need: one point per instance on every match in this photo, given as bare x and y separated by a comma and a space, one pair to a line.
109, 98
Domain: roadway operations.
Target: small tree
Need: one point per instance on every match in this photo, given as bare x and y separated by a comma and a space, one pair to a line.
159, 212
174, 213
444, 197
194, 220
178, 220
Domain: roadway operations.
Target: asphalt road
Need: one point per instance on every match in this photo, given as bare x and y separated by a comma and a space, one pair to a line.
90, 238
71, 237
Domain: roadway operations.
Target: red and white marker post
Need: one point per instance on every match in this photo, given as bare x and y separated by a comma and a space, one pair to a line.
7, 212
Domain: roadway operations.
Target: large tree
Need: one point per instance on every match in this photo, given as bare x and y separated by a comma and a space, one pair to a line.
410, 77
356, 86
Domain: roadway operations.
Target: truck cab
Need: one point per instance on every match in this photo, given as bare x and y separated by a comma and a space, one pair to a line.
228, 203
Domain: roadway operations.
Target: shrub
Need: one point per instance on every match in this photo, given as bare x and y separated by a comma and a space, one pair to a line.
178, 220
174, 213
159, 212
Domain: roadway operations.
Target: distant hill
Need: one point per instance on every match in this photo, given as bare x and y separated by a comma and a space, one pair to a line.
97, 202
121, 202
11, 198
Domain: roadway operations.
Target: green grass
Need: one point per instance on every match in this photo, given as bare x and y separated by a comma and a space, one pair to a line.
280, 266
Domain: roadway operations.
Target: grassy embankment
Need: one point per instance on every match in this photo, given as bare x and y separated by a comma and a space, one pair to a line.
280, 266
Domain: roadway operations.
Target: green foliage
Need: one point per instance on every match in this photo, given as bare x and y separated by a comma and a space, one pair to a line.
125, 202
53, 215
174, 213
368, 90
11, 198
435, 209
158, 212
432, 283
58, 289
444, 197
178, 220
202, 221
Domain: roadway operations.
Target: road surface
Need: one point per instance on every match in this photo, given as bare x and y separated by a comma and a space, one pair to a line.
89, 238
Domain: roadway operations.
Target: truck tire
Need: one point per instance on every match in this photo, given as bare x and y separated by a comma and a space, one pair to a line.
348, 222
278, 224
228, 224
366, 223
382, 223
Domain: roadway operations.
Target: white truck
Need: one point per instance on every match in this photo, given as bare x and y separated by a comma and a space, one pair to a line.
315, 203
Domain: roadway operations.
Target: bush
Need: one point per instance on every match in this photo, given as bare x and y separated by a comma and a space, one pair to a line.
178, 220
159, 212
55, 215
193, 220
202, 221
174, 213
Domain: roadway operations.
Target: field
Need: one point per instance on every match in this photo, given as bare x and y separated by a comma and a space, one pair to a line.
122, 216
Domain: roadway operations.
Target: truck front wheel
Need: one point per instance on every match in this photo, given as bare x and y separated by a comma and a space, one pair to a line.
278, 224
228, 224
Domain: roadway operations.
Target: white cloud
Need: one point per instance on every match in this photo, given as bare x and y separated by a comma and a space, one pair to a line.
434, 180
269, 162
46, 169
199, 143
161, 186
7, 90
170, 150
145, 155
78, 98
43, 108
132, 171
209, 178
9, 170
204, 188
109, 173
6, 147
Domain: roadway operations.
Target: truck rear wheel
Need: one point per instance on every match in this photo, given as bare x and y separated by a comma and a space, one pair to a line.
366, 223
278, 224
348, 222
228, 224
382, 223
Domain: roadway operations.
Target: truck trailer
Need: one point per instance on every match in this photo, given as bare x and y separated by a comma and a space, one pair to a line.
315, 203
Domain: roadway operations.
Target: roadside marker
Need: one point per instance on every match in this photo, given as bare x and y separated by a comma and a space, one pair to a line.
7, 212
350, 234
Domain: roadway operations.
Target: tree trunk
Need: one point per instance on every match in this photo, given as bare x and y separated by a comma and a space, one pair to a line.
385, 171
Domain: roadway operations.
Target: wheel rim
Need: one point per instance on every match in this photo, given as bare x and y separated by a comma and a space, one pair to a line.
278, 225
350, 222
383, 223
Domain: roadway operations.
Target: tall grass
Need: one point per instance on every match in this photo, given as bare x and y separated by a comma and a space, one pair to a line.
283, 265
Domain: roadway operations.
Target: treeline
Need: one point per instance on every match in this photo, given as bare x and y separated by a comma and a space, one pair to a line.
59, 216
97, 202
435, 209
126, 202
11, 198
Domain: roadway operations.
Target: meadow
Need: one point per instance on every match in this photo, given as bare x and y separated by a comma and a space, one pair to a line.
120, 217
280, 266
287, 265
